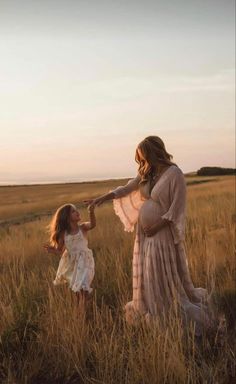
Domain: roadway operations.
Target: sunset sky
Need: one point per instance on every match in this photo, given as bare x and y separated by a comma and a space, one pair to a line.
82, 82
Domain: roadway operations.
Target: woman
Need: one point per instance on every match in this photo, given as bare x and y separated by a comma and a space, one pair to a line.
155, 200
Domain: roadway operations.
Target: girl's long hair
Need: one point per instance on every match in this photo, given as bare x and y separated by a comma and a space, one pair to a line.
59, 224
154, 152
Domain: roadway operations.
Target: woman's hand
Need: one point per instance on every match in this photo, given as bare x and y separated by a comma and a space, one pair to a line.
95, 202
99, 200
151, 231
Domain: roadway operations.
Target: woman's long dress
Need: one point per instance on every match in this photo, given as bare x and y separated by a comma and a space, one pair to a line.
161, 277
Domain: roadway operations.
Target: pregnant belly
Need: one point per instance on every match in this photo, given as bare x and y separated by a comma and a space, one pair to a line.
149, 213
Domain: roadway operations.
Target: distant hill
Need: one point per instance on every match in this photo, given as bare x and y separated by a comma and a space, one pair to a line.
215, 171
190, 174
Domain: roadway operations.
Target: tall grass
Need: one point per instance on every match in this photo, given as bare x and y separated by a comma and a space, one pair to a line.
45, 340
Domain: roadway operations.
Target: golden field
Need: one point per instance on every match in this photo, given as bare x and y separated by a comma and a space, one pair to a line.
43, 337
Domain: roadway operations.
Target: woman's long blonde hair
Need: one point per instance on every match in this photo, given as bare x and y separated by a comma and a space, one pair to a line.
59, 224
154, 152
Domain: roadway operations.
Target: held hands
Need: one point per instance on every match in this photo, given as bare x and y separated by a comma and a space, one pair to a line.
91, 208
91, 204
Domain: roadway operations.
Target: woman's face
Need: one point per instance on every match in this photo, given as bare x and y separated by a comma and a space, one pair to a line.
74, 214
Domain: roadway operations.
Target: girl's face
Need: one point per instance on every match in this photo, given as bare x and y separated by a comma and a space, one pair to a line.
74, 214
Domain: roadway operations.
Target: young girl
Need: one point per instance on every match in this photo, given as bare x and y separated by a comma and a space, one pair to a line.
68, 237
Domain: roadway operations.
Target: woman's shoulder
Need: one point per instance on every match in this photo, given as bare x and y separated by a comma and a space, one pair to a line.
176, 169
174, 173
177, 175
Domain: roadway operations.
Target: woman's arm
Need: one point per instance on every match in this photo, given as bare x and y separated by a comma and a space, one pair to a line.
118, 192
125, 190
99, 200
176, 212
175, 215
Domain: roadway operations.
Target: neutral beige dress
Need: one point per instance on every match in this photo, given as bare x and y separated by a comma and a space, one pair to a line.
160, 271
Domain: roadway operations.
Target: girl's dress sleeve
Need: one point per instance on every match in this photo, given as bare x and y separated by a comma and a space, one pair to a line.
176, 212
127, 203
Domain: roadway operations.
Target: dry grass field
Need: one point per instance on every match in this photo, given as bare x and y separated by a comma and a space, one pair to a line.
45, 340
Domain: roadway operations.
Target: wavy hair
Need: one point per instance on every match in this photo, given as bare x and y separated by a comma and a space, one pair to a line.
60, 223
154, 152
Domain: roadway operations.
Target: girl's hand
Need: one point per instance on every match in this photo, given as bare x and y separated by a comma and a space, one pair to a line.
92, 219
91, 208
50, 249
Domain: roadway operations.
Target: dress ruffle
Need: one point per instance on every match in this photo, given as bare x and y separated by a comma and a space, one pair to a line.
127, 209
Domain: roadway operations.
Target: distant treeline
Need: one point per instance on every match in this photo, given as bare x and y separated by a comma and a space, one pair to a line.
215, 171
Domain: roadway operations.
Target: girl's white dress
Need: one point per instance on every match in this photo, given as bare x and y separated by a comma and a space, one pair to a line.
76, 266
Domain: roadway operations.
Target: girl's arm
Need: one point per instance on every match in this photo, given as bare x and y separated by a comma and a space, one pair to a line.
56, 250
92, 219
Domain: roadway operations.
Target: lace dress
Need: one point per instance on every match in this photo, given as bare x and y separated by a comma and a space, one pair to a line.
76, 266
160, 270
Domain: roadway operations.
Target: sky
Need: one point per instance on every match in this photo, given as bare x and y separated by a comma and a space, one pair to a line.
83, 82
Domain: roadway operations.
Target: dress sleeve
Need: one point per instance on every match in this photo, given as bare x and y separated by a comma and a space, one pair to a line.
176, 212
131, 186
127, 203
